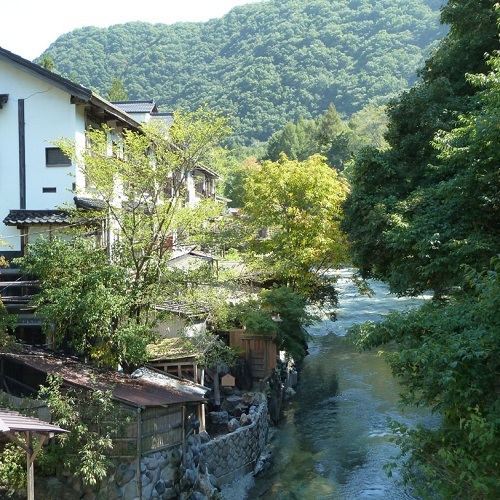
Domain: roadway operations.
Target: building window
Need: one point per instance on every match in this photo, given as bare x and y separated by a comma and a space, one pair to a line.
49, 190
54, 157
200, 186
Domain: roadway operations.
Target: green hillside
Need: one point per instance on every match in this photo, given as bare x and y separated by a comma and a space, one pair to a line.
265, 63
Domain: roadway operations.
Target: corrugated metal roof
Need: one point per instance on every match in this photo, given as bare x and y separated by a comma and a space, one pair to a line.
139, 392
12, 421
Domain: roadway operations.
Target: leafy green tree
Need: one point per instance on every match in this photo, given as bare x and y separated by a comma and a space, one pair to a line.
367, 128
329, 125
447, 357
297, 207
47, 63
84, 303
117, 91
93, 420
436, 226
407, 216
284, 141
12, 469
102, 302
278, 311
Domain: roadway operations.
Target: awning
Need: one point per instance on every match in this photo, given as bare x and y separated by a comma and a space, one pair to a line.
14, 425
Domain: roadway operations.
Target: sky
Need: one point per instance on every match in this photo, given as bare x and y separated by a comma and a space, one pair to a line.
30, 26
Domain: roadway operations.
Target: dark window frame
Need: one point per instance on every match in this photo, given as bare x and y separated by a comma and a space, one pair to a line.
55, 157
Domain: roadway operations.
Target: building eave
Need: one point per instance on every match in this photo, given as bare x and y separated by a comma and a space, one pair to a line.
79, 94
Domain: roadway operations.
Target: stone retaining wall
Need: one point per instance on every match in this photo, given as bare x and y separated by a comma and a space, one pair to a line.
235, 454
204, 468
170, 474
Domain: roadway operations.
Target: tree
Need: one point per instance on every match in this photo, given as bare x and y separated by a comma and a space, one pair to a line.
278, 311
367, 127
84, 302
447, 358
92, 418
297, 207
47, 63
411, 224
117, 91
120, 287
443, 233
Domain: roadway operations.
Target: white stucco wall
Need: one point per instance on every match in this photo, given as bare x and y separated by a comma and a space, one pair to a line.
49, 115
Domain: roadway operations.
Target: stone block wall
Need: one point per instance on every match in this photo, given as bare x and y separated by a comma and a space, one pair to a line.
235, 454
170, 475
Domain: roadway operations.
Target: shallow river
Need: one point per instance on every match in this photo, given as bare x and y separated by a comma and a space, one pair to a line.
334, 434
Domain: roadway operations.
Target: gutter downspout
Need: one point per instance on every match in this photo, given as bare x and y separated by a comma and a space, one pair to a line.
22, 153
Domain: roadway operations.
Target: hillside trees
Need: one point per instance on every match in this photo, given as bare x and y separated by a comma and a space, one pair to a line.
264, 64
101, 301
330, 136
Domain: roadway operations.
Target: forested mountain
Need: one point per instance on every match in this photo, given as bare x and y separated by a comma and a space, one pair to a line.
264, 64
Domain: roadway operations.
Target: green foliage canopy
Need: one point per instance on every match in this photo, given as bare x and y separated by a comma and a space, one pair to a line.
101, 302
424, 214
448, 359
297, 207
418, 211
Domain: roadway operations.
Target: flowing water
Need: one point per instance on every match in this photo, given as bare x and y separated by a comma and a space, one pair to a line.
334, 437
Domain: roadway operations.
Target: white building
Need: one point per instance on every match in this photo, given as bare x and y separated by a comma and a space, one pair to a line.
38, 107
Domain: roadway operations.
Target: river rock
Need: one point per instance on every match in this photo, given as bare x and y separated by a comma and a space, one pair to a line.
196, 495
175, 457
170, 475
245, 420
152, 465
147, 491
160, 487
130, 490
219, 417
232, 425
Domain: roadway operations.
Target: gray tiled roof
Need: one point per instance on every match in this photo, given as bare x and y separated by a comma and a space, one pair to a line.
167, 118
89, 203
148, 106
24, 217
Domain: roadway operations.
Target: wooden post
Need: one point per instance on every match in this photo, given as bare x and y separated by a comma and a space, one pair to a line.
184, 435
30, 466
139, 452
